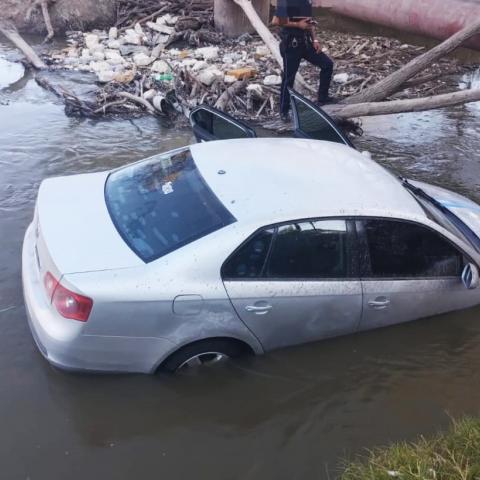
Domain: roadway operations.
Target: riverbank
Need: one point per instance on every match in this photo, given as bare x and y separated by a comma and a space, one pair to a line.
454, 455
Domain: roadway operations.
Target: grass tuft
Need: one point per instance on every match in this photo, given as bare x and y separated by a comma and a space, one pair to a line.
454, 455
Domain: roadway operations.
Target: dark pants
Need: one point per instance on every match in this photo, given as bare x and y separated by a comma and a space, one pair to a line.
294, 49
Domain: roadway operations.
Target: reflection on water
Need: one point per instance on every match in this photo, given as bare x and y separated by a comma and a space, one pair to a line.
291, 414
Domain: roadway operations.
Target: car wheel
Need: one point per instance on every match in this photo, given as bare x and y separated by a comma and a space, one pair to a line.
203, 353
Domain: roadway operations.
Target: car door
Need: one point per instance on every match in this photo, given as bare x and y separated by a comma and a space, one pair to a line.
296, 283
408, 272
211, 124
311, 121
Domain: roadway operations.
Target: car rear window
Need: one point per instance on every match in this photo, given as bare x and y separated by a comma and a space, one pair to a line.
162, 204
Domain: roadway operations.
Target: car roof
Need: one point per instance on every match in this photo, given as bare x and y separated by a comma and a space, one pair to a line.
273, 180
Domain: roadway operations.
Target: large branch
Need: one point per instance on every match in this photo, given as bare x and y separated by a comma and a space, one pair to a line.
392, 83
11, 33
402, 106
267, 36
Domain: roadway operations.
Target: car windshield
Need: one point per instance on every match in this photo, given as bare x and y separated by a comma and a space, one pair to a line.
443, 216
162, 204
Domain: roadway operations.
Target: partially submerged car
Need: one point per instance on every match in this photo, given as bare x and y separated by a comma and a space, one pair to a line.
240, 246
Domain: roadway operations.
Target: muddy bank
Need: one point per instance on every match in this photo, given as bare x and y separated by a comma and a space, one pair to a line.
65, 15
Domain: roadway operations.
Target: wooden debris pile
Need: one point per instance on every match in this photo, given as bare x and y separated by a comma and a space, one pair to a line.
164, 57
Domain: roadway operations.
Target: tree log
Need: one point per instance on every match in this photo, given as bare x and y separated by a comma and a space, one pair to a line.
340, 112
232, 22
392, 83
228, 94
267, 36
11, 33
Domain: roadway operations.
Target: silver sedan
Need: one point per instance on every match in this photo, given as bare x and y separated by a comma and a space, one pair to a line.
239, 246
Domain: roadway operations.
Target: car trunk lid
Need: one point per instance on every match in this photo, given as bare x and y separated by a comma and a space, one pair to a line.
74, 230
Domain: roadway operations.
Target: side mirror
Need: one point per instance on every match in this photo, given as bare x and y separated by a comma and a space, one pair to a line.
470, 276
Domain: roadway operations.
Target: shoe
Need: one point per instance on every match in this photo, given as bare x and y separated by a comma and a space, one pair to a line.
285, 117
327, 101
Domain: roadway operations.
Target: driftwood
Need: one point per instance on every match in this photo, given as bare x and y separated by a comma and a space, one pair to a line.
229, 93
139, 100
392, 83
402, 106
11, 33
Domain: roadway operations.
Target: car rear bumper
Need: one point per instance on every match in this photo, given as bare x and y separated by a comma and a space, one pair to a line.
63, 343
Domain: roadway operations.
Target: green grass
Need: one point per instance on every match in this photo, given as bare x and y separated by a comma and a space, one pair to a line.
454, 455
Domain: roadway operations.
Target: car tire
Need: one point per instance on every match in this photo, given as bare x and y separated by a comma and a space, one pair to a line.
203, 353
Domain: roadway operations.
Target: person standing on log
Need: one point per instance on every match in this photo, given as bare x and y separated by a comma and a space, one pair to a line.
299, 42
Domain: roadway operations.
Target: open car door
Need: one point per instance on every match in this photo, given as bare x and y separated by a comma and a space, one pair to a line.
211, 124
312, 122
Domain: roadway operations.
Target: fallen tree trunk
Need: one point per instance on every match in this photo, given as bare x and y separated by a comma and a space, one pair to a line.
11, 33
228, 94
267, 36
392, 83
341, 112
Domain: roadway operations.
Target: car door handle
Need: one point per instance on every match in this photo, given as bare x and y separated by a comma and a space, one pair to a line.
379, 303
258, 310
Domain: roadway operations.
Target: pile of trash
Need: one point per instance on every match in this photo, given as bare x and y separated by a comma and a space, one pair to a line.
169, 63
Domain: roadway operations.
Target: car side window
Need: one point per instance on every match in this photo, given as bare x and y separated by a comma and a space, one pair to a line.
306, 250
248, 261
402, 249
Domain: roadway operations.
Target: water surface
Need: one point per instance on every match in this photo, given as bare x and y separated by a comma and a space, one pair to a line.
292, 414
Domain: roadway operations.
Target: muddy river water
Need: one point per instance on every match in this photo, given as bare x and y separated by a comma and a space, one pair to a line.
293, 414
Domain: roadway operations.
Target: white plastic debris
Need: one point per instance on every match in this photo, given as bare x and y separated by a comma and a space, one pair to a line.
160, 28
141, 59
341, 78
160, 66
209, 76
272, 80
262, 51
132, 37
207, 53
198, 66
92, 41
229, 79
256, 89
105, 76
113, 33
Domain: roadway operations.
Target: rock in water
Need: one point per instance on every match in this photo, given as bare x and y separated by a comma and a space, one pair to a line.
10, 72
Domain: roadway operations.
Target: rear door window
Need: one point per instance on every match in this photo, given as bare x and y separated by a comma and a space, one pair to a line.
162, 204
211, 124
249, 260
312, 122
407, 250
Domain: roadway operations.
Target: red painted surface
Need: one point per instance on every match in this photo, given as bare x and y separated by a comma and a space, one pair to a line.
434, 18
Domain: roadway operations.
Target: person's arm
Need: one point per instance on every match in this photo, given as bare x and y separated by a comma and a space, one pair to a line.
287, 23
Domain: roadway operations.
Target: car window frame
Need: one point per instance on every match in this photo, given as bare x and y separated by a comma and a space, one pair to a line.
364, 251
352, 251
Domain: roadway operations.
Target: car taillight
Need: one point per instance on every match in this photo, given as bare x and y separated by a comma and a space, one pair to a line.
68, 304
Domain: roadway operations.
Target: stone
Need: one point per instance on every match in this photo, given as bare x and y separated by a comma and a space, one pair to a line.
207, 53
160, 66
272, 80
243, 73
105, 76
86, 53
139, 29
341, 78
229, 79
126, 50
189, 62
209, 76
92, 41
132, 37
113, 33
142, 60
